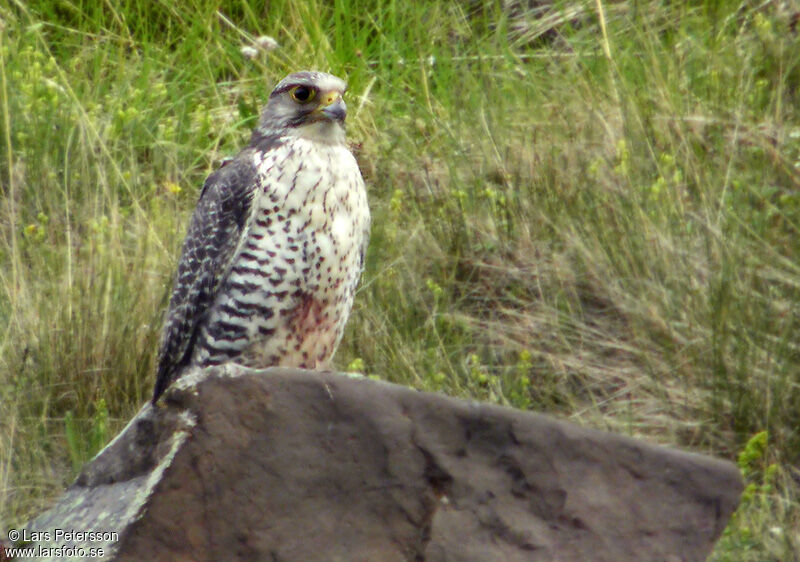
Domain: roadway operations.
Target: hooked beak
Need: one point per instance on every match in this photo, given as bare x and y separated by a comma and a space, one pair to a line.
335, 109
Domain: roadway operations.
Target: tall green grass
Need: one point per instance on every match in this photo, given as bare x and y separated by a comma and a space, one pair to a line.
585, 209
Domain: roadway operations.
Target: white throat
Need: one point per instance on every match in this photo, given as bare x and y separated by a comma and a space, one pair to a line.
328, 132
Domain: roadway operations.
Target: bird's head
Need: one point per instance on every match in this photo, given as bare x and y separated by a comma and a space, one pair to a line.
306, 104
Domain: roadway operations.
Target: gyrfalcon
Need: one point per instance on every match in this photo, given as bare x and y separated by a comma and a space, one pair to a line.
276, 245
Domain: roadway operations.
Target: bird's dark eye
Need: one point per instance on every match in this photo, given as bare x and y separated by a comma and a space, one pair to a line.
302, 94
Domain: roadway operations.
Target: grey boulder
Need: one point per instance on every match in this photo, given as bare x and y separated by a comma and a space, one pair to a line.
289, 465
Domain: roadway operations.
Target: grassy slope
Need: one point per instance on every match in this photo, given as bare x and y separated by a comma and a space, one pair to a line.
598, 224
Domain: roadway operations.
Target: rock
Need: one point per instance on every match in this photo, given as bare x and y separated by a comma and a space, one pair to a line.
293, 465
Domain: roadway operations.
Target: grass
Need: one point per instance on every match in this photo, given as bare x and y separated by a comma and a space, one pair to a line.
594, 217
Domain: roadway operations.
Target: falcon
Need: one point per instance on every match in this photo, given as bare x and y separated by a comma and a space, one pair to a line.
276, 244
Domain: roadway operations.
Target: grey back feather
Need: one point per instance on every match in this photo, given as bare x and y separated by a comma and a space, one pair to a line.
211, 241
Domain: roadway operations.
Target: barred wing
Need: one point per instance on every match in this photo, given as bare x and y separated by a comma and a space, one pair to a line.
210, 244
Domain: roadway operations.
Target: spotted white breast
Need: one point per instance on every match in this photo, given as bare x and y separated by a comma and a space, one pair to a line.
290, 287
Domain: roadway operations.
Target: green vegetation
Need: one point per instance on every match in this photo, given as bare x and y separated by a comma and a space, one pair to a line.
589, 210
